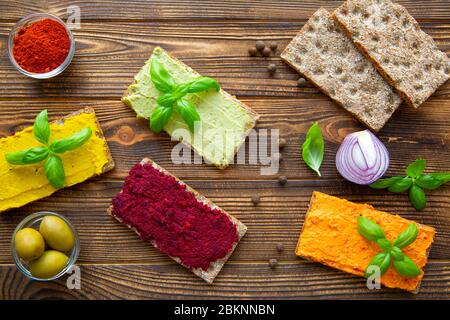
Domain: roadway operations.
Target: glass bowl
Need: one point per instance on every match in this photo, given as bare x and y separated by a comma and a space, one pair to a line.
26, 21
33, 221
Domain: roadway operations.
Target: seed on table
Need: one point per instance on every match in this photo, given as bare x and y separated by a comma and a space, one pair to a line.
280, 247
281, 143
252, 52
301, 82
266, 52
260, 45
273, 263
256, 200
273, 46
271, 68
282, 180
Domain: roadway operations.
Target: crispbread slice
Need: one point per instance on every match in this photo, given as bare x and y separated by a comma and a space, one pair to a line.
391, 38
105, 168
323, 54
208, 142
215, 266
341, 212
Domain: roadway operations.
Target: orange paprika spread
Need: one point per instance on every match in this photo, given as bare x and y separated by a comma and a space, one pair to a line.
330, 236
41, 46
164, 212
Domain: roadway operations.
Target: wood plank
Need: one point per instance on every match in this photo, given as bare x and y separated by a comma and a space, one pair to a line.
108, 55
290, 280
131, 140
205, 9
277, 219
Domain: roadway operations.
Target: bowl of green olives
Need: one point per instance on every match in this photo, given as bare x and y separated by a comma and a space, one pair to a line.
45, 245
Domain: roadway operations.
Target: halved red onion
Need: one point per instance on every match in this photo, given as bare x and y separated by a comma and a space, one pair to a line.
362, 158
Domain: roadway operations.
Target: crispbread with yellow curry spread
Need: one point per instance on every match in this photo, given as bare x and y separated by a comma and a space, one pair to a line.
330, 236
26, 183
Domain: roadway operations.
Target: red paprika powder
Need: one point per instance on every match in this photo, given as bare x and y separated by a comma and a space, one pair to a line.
41, 46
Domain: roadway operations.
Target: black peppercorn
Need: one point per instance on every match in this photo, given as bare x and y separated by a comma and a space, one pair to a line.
260, 45
281, 143
280, 247
252, 52
273, 46
282, 180
273, 263
301, 82
271, 68
266, 52
256, 200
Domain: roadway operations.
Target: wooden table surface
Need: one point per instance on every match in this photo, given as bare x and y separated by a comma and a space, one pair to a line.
213, 37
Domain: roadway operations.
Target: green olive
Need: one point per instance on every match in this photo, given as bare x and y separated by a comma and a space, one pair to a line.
49, 264
29, 244
57, 233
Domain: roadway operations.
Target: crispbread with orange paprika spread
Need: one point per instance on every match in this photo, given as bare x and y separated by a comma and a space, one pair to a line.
330, 236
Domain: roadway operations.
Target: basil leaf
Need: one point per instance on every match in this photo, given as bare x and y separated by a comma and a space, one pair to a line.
160, 117
369, 229
442, 176
41, 127
167, 99
396, 253
71, 143
160, 77
407, 236
187, 111
406, 267
427, 181
382, 260
415, 168
54, 170
312, 148
384, 244
385, 183
29, 156
202, 84
401, 185
417, 197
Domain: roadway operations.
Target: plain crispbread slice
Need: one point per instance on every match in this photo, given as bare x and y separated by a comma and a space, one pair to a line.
215, 266
391, 38
324, 55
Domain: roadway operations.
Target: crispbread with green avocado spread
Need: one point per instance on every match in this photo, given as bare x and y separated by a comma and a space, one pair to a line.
225, 121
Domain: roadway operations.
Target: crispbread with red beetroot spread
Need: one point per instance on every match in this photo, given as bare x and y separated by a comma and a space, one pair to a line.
177, 220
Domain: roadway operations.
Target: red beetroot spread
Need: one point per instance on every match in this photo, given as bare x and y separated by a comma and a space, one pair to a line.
162, 210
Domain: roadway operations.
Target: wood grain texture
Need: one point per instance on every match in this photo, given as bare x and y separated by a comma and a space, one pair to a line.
296, 279
213, 37
130, 140
162, 10
109, 54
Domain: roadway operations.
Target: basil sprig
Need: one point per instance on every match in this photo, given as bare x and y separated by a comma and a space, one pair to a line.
54, 169
391, 252
173, 97
313, 148
415, 181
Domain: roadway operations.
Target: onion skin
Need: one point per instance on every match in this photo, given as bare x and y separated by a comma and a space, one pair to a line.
362, 158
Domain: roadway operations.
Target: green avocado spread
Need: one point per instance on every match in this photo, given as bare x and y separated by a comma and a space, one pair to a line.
224, 122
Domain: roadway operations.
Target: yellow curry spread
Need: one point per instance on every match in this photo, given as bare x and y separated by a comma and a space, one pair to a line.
26, 183
330, 236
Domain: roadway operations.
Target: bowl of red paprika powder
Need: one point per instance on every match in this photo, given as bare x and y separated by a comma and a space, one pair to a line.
41, 46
